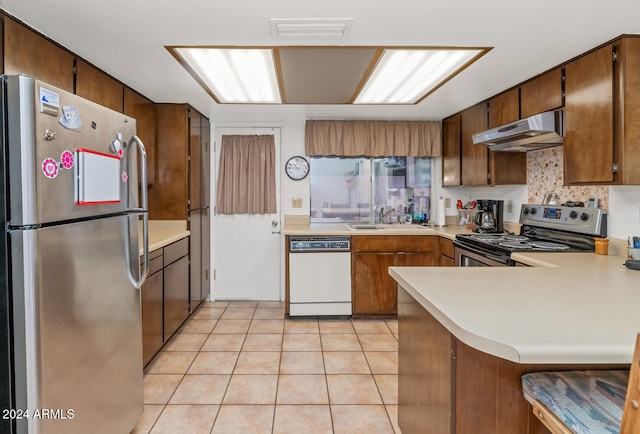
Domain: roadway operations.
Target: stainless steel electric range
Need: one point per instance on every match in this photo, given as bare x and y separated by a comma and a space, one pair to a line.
545, 228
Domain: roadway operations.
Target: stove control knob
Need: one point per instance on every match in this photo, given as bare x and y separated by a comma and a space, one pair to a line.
584, 216
573, 215
525, 211
533, 211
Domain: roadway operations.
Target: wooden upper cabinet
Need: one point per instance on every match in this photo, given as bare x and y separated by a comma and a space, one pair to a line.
168, 197
588, 143
144, 112
451, 151
627, 85
195, 159
504, 108
541, 94
474, 158
26, 52
506, 167
96, 86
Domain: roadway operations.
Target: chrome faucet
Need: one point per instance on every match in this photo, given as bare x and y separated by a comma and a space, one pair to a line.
383, 215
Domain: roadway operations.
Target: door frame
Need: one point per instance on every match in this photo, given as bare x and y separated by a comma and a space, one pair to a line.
214, 185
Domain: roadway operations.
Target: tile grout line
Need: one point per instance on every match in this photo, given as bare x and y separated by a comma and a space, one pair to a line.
215, 419
326, 378
279, 373
374, 378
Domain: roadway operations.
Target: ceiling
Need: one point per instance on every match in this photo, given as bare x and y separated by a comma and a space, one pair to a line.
127, 40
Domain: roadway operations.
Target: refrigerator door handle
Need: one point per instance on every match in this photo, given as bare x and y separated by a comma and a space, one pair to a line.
145, 217
143, 172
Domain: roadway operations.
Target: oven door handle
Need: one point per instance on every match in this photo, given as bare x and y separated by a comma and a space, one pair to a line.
487, 255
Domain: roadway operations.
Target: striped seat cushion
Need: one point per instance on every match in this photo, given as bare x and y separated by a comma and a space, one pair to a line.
587, 402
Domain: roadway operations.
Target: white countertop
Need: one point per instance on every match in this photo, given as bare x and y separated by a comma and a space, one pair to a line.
164, 232
394, 229
569, 308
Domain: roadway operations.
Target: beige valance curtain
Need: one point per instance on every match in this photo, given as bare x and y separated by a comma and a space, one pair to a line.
373, 138
246, 178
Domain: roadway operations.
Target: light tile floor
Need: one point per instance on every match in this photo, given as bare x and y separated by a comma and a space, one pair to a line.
241, 367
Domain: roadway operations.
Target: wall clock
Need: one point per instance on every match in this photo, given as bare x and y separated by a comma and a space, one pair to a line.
297, 168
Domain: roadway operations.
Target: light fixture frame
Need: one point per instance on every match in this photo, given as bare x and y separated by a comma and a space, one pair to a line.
173, 49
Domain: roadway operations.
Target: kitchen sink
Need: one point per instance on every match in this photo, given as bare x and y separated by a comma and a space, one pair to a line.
358, 226
392, 226
401, 226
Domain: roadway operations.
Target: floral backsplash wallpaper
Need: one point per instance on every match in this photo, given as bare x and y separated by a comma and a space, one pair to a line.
545, 175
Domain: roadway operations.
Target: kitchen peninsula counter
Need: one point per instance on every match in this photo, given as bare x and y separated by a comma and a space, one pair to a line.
568, 308
468, 334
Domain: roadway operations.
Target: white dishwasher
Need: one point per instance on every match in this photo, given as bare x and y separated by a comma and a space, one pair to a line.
319, 276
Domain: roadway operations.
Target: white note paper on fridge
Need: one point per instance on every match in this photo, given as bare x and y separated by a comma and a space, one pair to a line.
97, 178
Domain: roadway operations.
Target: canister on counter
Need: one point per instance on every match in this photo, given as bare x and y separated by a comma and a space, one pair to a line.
633, 252
602, 246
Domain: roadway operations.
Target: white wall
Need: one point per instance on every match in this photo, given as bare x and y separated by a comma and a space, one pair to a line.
624, 202
624, 212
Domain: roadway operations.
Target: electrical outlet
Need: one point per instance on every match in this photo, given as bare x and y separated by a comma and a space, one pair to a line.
296, 202
447, 202
510, 206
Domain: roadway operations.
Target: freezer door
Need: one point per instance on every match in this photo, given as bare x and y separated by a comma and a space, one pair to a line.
77, 328
59, 144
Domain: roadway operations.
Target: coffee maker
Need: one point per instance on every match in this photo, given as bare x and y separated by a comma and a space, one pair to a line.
489, 216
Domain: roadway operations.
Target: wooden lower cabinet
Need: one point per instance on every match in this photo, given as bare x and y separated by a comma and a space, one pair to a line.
448, 387
425, 396
164, 296
374, 291
176, 295
152, 300
446, 252
151, 295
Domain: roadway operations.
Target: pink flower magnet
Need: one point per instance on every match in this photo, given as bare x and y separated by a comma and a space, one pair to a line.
50, 168
66, 159
125, 176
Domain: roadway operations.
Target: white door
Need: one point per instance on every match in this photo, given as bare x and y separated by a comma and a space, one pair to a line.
247, 254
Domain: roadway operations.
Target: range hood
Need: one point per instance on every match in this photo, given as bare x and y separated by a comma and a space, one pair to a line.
543, 130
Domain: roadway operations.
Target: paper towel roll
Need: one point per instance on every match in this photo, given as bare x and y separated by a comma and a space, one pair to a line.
441, 218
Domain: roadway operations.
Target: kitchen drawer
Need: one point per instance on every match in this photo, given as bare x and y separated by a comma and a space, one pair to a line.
155, 261
175, 251
393, 243
445, 247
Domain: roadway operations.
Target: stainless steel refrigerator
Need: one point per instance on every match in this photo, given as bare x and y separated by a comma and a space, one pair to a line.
70, 304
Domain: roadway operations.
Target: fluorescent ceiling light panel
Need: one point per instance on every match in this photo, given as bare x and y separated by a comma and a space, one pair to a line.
235, 75
405, 76
310, 27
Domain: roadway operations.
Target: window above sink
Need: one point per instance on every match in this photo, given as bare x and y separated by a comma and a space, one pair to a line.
357, 189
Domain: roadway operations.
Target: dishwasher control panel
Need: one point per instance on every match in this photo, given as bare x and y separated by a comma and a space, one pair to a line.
319, 244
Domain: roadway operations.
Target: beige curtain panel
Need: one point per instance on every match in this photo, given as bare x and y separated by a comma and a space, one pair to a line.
246, 178
373, 138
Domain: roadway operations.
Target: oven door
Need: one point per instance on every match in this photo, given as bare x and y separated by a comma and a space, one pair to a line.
466, 256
